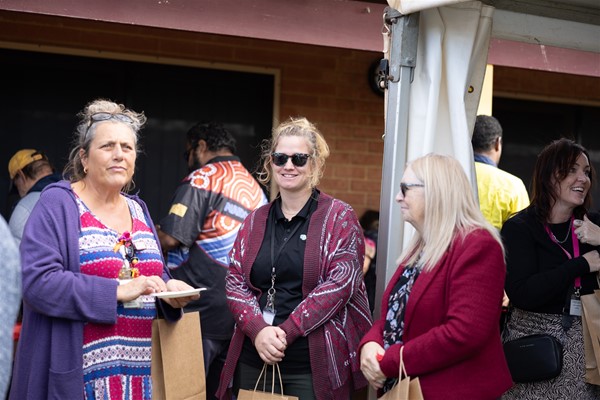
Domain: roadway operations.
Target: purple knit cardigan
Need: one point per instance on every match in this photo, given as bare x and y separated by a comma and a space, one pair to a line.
334, 313
58, 300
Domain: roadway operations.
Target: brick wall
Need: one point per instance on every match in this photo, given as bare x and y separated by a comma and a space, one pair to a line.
327, 85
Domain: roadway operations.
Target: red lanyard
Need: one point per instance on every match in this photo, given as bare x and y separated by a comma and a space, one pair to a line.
575, 247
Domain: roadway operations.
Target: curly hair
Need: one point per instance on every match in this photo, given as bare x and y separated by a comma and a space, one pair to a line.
487, 130
214, 134
85, 131
319, 150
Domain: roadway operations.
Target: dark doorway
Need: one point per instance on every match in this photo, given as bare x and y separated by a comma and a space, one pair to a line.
42, 93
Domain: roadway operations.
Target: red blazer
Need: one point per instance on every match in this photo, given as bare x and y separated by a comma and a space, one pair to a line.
452, 336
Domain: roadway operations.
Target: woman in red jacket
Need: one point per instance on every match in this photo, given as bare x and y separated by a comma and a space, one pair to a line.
444, 301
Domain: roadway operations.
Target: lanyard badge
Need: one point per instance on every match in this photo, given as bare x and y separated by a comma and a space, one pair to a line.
575, 300
575, 304
269, 312
128, 271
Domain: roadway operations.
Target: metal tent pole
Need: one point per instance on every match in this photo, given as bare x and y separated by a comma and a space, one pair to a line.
396, 74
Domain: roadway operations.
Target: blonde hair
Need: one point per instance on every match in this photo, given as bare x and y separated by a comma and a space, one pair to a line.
450, 209
319, 150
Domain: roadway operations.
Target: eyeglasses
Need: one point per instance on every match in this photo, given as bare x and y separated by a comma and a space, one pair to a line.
298, 159
104, 116
405, 186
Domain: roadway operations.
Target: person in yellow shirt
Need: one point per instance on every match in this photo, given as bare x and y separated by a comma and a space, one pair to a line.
501, 194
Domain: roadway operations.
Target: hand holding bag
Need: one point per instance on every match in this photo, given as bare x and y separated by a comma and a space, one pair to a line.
405, 388
177, 359
258, 395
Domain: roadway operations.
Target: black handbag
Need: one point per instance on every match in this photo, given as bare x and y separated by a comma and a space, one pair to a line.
534, 358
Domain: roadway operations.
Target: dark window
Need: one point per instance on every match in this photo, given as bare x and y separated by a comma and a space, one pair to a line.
42, 93
528, 126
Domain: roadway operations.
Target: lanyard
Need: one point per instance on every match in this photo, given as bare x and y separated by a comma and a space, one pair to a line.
270, 306
575, 247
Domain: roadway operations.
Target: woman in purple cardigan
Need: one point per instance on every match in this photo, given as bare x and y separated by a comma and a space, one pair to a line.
443, 303
91, 261
295, 284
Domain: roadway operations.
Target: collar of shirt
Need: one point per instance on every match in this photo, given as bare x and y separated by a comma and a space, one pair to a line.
304, 213
223, 158
483, 159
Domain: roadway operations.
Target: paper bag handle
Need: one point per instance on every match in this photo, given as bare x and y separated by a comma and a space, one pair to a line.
264, 368
401, 367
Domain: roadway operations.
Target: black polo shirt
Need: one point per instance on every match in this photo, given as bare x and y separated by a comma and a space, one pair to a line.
289, 267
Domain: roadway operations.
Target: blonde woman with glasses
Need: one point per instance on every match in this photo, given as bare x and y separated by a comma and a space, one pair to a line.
443, 303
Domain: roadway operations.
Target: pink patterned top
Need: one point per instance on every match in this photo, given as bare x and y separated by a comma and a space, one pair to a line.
116, 358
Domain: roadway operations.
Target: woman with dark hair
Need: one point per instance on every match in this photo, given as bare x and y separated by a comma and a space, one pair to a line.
552, 259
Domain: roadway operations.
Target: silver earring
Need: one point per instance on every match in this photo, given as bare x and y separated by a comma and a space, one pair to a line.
85, 170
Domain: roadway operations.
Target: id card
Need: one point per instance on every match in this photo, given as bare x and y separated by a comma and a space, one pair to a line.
136, 303
268, 316
575, 306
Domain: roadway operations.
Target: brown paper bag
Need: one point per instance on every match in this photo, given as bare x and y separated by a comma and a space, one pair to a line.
258, 395
177, 360
405, 388
590, 319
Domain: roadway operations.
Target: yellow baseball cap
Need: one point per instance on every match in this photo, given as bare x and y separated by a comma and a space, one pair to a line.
21, 159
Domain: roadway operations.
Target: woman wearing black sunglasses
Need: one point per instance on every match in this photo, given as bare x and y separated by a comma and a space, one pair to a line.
442, 305
91, 262
295, 282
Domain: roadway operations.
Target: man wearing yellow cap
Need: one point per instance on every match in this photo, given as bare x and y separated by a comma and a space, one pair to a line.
30, 171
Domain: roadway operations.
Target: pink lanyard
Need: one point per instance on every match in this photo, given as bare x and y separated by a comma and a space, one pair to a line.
575, 247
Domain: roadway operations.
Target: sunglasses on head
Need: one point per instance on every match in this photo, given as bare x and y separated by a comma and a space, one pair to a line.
298, 159
104, 116
405, 186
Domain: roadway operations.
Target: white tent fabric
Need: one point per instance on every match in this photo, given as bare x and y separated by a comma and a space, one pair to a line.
412, 6
451, 59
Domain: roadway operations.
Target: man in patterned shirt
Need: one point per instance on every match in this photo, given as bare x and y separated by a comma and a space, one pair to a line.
206, 213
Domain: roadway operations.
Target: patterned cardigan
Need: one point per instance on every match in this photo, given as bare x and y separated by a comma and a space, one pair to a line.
334, 313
